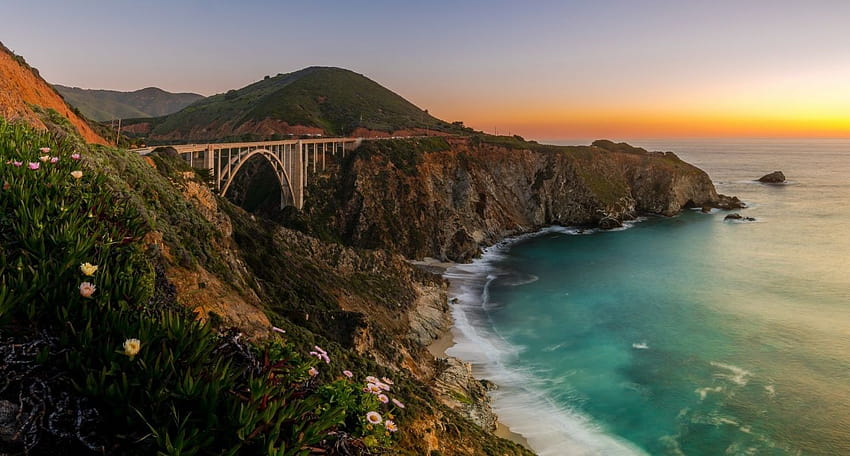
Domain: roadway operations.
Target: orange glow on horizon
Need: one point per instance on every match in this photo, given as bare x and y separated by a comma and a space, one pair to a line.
642, 124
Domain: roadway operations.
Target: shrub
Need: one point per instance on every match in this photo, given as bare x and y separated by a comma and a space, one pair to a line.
76, 285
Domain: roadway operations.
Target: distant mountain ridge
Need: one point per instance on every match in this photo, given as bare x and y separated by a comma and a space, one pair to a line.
102, 105
314, 100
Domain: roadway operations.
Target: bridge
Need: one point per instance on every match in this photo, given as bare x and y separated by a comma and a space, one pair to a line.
291, 160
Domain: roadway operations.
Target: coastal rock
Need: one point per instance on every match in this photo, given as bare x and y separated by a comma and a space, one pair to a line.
728, 203
448, 197
739, 217
609, 223
775, 177
461, 391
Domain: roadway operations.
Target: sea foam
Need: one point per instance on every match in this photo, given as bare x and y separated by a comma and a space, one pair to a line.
522, 400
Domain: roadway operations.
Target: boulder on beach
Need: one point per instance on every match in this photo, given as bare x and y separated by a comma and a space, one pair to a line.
775, 177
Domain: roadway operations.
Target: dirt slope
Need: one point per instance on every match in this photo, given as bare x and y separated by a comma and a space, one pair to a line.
21, 86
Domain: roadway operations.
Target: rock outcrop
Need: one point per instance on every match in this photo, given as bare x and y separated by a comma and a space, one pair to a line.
775, 177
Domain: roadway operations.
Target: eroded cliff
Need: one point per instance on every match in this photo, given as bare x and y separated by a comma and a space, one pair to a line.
446, 198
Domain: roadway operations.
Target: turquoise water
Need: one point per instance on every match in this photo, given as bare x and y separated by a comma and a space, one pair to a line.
685, 335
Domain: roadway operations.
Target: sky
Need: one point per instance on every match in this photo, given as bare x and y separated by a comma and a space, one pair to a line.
547, 70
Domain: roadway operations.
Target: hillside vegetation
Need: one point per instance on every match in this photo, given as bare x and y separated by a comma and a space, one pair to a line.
103, 105
315, 100
121, 282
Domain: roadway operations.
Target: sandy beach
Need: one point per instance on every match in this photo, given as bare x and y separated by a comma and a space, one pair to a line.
438, 349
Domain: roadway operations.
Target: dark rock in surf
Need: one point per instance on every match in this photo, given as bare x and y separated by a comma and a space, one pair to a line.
727, 203
737, 216
608, 223
775, 177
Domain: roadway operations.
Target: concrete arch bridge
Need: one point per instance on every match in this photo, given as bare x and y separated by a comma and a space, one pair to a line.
291, 160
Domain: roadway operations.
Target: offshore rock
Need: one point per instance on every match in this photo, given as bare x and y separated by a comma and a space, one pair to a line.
775, 177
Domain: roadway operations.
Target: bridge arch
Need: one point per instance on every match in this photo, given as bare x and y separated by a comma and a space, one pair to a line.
284, 179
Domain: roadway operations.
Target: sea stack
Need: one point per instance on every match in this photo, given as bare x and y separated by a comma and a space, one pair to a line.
775, 177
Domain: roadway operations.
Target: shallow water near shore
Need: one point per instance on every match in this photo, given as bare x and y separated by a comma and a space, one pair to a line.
686, 335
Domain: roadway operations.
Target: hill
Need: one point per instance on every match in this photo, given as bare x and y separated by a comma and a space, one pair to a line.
315, 100
26, 97
102, 105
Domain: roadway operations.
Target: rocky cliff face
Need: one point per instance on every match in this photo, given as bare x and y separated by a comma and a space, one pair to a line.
446, 198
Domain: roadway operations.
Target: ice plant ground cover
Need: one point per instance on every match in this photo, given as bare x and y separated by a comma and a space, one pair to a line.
94, 365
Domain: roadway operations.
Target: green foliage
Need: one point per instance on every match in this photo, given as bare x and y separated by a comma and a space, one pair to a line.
164, 383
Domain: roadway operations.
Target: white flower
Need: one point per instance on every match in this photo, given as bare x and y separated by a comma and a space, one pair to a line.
132, 347
372, 388
390, 425
313, 372
398, 403
374, 417
383, 398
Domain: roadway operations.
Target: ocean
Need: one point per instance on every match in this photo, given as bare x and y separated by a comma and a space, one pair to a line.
687, 335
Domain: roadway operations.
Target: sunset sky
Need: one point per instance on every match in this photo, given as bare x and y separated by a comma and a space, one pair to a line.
547, 70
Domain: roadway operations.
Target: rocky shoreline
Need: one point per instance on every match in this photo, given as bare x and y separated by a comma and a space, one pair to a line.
456, 379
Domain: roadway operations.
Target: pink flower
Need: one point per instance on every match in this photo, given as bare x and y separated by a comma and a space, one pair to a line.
374, 417
383, 398
398, 403
44, 150
371, 379
278, 330
321, 354
387, 381
75, 156
34, 165
313, 372
372, 388
17, 164
348, 373
54, 159
390, 425
383, 386
87, 289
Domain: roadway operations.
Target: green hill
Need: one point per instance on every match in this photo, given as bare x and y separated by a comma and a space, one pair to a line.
318, 100
102, 105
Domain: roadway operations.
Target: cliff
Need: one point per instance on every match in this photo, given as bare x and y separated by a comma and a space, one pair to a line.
446, 198
26, 97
